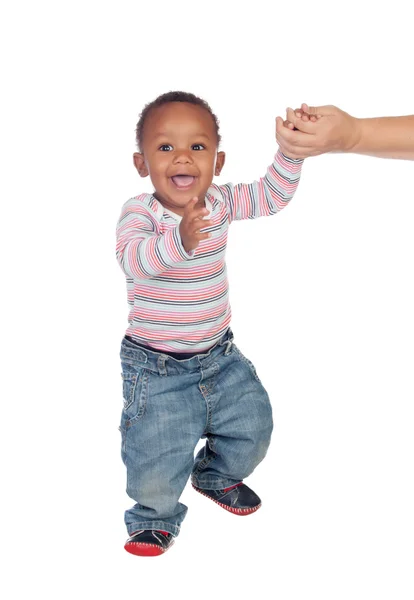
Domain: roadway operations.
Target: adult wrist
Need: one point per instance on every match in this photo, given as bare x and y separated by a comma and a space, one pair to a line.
355, 134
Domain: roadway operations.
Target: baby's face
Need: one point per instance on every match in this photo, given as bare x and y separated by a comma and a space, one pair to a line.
179, 153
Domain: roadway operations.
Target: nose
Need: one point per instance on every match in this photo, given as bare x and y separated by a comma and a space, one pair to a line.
183, 156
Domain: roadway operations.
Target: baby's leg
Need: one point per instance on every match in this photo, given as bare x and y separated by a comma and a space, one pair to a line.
240, 425
161, 425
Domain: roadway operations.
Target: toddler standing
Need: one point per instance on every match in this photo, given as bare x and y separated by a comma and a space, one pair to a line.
183, 376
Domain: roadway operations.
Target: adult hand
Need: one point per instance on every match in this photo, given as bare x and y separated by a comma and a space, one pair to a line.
319, 129
191, 223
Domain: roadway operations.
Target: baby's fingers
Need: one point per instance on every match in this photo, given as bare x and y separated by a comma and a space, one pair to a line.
189, 208
299, 114
293, 115
200, 223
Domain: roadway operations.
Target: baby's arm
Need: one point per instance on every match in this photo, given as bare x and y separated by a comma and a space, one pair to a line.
268, 195
141, 250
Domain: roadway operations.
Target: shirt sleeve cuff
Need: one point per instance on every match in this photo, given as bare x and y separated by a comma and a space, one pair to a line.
287, 160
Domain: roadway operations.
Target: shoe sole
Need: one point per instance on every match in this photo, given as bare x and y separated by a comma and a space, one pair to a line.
142, 549
241, 512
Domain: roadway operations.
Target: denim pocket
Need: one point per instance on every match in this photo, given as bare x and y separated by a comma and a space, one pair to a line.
129, 382
248, 362
134, 392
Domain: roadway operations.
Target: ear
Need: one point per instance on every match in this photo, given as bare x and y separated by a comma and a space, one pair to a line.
140, 165
221, 158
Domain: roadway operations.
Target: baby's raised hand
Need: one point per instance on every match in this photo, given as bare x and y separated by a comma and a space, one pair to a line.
191, 224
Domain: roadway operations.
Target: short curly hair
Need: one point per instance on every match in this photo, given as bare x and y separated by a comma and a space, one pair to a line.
173, 97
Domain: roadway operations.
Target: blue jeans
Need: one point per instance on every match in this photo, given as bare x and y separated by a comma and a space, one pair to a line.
169, 405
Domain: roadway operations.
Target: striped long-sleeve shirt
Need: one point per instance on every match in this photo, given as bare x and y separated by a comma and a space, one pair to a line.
179, 301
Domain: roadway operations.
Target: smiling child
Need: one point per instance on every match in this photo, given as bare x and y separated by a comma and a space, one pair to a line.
183, 376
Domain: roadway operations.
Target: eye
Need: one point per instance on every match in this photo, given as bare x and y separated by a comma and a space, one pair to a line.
165, 147
198, 147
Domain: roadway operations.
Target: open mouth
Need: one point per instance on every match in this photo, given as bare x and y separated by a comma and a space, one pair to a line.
183, 182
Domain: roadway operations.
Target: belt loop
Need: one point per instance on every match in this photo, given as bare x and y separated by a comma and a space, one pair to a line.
161, 364
228, 348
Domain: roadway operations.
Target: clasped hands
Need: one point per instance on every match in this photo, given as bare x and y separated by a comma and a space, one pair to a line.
309, 131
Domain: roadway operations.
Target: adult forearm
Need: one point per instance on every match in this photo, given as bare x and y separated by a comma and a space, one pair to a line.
386, 137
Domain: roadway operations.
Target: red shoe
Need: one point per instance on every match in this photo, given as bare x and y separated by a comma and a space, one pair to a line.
149, 542
237, 499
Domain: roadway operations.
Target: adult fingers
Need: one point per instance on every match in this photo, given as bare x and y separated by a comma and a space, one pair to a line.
294, 139
298, 151
305, 126
302, 114
281, 123
318, 111
284, 131
284, 134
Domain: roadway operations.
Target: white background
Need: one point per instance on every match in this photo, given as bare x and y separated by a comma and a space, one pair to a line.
322, 299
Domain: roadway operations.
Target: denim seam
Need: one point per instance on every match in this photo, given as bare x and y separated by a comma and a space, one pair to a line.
133, 378
203, 464
142, 400
203, 390
123, 439
209, 416
250, 365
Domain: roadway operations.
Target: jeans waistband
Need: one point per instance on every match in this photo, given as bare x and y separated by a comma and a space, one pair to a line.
176, 355
159, 362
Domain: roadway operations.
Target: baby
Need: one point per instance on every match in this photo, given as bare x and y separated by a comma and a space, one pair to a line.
183, 376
